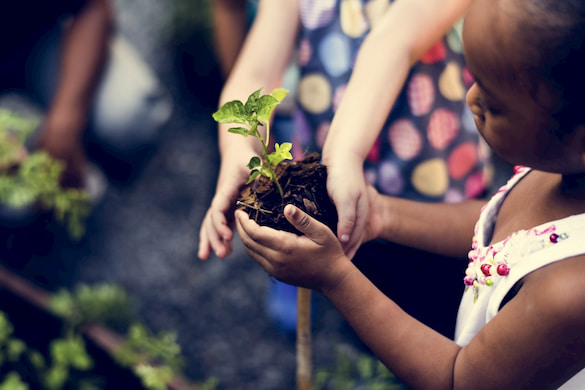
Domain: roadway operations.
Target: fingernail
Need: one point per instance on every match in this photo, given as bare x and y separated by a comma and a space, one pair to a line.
344, 238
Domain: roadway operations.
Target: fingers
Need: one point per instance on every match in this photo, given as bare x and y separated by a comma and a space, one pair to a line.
310, 227
216, 235
345, 226
359, 228
249, 234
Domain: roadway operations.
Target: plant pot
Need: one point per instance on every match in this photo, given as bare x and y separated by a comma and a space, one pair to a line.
304, 184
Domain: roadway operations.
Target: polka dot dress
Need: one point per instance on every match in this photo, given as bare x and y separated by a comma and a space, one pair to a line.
429, 148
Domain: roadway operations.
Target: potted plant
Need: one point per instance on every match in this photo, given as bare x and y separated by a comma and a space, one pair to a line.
275, 181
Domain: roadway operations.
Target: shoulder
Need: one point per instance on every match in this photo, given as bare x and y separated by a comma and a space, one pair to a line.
558, 290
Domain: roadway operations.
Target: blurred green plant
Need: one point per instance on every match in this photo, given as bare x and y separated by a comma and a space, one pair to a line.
106, 303
356, 371
154, 359
33, 178
66, 354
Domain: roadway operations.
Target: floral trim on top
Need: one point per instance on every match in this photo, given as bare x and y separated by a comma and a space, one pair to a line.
488, 264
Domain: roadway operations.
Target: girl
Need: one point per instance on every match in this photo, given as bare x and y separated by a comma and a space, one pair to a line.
522, 317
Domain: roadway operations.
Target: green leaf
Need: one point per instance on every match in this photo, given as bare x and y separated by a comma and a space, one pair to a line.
12, 381
281, 152
71, 352
266, 104
253, 175
154, 378
56, 377
15, 349
255, 162
279, 94
252, 103
231, 112
240, 130
6, 328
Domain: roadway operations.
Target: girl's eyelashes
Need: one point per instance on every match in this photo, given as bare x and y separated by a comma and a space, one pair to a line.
485, 106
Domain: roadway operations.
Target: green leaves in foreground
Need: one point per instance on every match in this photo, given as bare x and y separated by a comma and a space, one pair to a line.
257, 112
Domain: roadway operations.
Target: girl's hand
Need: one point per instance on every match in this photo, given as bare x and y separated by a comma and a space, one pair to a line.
315, 260
216, 233
347, 188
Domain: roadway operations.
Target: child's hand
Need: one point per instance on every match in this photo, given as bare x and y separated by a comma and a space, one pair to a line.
315, 260
215, 233
347, 189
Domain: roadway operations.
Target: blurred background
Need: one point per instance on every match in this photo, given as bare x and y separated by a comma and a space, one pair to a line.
143, 233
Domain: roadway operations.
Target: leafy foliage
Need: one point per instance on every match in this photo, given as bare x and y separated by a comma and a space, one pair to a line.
357, 372
66, 354
33, 178
254, 113
155, 359
105, 303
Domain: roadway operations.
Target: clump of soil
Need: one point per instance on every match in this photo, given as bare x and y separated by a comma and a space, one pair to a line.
304, 185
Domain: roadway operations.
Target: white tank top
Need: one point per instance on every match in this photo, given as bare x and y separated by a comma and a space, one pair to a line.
495, 269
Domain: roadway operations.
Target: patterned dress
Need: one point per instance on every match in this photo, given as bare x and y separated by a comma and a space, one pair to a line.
429, 148
494, 269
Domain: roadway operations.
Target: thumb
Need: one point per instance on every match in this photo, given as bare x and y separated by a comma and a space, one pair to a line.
302, 221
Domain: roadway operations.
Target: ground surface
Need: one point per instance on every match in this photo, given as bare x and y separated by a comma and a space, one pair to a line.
144, 234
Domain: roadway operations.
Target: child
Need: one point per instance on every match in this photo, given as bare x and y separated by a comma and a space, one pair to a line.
522, 317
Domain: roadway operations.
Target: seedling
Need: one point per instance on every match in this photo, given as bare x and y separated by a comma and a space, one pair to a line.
256, 112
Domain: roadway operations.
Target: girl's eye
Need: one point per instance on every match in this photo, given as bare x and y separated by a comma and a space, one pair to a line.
485, 107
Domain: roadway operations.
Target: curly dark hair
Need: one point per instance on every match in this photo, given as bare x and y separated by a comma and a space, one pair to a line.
554, 55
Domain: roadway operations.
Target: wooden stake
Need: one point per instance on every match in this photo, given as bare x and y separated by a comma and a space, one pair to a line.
304, 360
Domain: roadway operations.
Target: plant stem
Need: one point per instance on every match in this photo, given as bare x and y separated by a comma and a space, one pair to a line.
271, 168
304, 361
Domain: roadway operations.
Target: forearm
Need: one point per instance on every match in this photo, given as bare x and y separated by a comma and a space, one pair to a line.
230, 28
421, 357
84, 54
261, 64
371, 92
404, 33
443, 228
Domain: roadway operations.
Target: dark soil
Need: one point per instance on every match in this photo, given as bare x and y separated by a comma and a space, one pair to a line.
303, 184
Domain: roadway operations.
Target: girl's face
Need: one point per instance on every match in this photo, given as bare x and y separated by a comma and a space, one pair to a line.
512, 122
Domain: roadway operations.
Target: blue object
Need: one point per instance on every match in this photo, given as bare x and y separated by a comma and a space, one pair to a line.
282, 306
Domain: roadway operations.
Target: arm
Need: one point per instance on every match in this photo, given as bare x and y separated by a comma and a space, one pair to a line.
261, 64
423, 225
229, 28
83, 56
535, 341
384, 60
